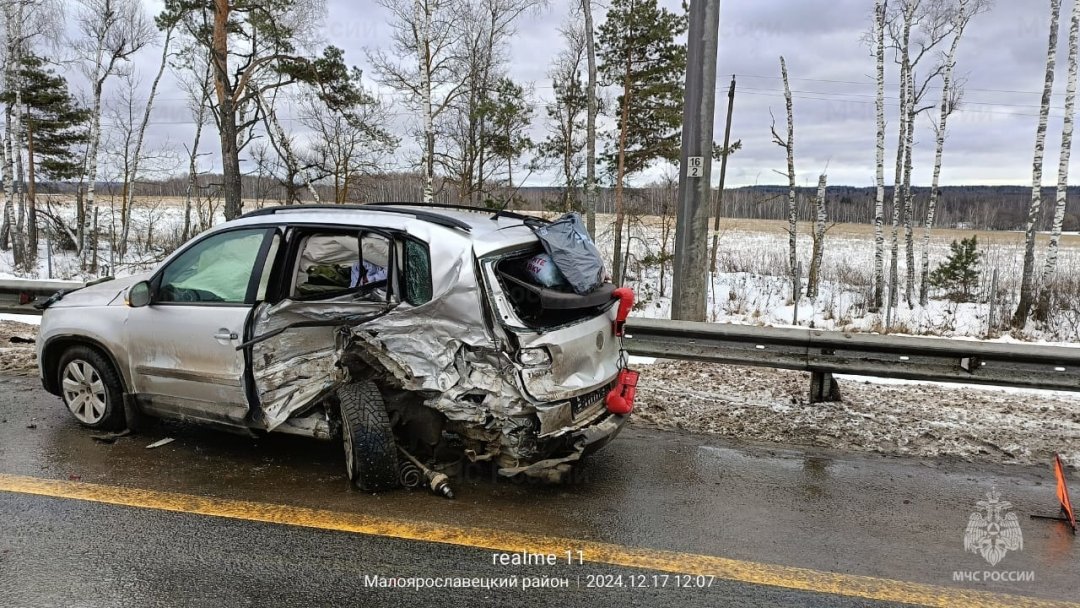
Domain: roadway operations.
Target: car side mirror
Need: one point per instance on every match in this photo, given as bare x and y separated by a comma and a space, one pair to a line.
139, 294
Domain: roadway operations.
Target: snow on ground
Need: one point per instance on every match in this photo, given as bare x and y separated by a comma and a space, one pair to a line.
900, 419
17, 348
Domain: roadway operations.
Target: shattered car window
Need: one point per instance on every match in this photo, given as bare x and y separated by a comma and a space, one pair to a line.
330, 264
325, 264
218, 269
417, 273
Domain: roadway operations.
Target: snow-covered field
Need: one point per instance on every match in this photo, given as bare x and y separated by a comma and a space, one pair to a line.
751, 285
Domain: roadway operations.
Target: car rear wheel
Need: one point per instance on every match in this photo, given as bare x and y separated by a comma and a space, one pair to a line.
91, 389
370, 450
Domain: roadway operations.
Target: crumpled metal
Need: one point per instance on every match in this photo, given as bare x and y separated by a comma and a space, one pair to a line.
441, 347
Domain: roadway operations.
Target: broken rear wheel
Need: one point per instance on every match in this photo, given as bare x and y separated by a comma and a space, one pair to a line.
370, 450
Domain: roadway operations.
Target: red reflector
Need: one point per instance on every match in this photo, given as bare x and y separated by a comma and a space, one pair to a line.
621, 398
626, 302
1063, 492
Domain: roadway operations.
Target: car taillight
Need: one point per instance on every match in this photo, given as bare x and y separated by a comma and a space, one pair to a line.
534, 357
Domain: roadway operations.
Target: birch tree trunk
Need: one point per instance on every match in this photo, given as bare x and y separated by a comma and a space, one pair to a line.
1066, 151
879, 202
909, 142
590, 122
423, 17
1027, 281
89, 238
13, 217
901, 155
944, 110
193, 175
29, 258
9, 205
814, 278
125, 218
793, 211
193, 154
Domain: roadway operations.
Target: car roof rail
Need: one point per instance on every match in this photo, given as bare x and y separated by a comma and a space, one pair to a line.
420, 214
496, 213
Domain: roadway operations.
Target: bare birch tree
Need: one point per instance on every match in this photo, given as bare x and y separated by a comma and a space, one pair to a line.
908, 211
903, 43
1050, 266
112, 31
348, 144
427, 33
294, 166
129, 198
879, 202
788, 144
1027, 281
950, 96
915, 28
197, 86
13, 15
813, 279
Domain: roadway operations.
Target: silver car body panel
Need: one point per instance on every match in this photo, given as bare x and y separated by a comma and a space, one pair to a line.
447, 349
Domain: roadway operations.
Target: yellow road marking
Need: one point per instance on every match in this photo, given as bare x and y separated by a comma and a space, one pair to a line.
801, 579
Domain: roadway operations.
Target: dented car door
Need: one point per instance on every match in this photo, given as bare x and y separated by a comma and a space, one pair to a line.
330, 280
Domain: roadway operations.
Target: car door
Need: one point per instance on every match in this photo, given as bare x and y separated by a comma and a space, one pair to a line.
332, 279
184, 356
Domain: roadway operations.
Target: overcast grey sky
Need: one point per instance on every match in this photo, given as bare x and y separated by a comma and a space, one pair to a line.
990, 139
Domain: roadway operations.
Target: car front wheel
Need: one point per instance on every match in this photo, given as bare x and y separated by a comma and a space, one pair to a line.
370, 450
91, 389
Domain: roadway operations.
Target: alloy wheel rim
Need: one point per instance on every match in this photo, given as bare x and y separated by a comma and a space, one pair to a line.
84, 391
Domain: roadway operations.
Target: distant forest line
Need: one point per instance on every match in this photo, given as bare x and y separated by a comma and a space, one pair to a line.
976, 207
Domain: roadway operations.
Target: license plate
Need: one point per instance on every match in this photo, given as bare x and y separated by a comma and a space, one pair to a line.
584, 403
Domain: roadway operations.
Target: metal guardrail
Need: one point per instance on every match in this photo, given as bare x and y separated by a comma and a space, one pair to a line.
822, 353
17, 296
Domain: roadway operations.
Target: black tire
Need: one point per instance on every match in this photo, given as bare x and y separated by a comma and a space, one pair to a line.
95, 409
371, 460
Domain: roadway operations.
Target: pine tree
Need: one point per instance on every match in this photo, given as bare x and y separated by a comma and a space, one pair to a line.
639, 51
568, 117
508, 115
959, 273
55, 127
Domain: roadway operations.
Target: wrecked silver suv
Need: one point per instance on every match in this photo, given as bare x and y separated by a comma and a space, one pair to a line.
409, 332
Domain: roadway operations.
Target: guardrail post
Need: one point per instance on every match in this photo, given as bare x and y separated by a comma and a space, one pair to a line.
823, 387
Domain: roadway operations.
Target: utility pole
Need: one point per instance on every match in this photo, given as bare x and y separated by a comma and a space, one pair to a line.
695, 168
726, 151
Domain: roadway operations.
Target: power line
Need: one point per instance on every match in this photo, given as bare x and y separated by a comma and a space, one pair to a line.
872, 83
887, 103
861, 95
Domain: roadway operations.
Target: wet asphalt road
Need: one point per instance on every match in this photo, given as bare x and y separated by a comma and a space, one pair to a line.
892, 518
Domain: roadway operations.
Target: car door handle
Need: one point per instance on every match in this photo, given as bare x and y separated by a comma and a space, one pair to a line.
224, 334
